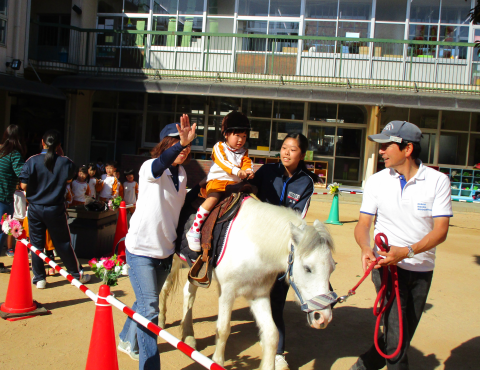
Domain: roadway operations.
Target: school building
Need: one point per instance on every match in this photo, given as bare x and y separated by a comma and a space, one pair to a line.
111, 73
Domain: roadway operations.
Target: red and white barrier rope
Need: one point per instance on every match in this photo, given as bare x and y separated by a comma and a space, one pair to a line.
185, 348
341, 191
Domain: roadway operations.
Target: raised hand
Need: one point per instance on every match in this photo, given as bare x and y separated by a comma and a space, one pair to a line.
187, 132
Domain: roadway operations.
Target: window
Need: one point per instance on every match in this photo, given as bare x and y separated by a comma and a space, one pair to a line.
110, 6
321, 9
323, 112
425, 11
3, 22
219, 7
253, 7
457, 121
319, 28
455, 11
137, 6
453, 34
284, 8
288, 110
321, 139
355, 9
190, 6
257, 108
424, 118
384, 10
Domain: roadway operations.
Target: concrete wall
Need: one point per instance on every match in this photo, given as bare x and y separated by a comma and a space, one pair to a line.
371, 152
79, 126
15, 42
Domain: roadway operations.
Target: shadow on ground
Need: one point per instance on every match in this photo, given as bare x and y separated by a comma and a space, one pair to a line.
349, 335
465, 356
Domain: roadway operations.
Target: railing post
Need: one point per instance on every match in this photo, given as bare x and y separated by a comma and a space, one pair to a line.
208, 52
341, 55
411, 64
274, 45
88, 47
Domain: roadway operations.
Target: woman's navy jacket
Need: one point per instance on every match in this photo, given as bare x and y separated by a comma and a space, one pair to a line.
276, 188
44, 187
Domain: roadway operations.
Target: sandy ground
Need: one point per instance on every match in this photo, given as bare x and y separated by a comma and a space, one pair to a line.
448, 336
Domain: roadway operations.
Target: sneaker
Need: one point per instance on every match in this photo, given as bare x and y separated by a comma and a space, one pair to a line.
281, 363
41, 284
84, 278
125, 348
3, 268
194, 241
10, 252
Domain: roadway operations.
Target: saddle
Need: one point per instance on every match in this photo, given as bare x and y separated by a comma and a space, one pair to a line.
227, 208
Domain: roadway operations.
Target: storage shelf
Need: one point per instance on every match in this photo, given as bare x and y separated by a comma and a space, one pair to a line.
465, 184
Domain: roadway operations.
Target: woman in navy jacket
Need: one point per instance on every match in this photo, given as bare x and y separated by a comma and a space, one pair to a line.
288, 184
44, 177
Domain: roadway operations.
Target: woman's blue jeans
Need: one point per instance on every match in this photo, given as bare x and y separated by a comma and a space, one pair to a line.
8, 209
147, 276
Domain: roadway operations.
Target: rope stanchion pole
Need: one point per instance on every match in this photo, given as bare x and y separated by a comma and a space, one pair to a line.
177, 343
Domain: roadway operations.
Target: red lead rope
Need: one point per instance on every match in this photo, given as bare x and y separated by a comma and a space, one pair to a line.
381, 242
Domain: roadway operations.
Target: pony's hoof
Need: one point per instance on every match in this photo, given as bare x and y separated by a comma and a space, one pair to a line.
191, 341
219, 361
161, 323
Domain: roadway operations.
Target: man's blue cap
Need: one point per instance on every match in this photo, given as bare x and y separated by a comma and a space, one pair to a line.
398, 131
169, 130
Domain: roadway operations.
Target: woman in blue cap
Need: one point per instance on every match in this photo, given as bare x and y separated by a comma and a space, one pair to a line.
151, 236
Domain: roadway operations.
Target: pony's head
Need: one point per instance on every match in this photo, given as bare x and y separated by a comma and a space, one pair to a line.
312, 266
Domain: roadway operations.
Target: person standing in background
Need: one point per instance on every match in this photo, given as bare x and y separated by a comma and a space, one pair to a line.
12, 152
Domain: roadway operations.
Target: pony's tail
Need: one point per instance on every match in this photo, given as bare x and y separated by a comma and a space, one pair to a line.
51, 139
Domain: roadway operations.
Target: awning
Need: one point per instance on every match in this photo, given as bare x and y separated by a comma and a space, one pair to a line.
22, 86
380, 97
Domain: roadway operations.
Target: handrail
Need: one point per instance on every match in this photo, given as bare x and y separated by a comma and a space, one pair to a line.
256, 36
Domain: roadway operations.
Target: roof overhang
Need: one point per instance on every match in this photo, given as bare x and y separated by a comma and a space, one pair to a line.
380, 97
22, 86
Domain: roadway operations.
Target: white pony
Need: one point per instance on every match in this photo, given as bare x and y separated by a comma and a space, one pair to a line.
261, 241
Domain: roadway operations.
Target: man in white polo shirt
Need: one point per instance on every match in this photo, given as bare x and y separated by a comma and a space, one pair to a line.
411, 205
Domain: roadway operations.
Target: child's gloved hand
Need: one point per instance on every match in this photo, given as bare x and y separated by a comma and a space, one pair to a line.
242, 174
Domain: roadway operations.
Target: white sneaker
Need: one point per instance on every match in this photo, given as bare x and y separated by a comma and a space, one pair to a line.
126, 348
194, 241
84, 278
281, 363
41, 284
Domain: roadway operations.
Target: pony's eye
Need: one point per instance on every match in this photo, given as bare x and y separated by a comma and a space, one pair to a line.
307, 269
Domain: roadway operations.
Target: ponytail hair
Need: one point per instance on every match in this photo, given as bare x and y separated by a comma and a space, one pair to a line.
51, 139
303, 145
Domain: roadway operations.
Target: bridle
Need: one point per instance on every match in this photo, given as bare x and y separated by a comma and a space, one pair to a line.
317, 303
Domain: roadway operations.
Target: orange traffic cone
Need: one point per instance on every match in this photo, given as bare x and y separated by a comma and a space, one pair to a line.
19, 303
102, 353
121, 233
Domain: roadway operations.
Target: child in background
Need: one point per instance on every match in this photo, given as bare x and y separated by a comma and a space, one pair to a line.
80, 186
92, 183
107, 187
19, 213
231, 165
100, 166
130, 190
68, 196
118, 175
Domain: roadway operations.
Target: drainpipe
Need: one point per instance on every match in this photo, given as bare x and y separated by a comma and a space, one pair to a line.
16, 33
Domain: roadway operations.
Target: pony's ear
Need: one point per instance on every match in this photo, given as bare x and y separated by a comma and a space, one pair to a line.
318, 226
297, 234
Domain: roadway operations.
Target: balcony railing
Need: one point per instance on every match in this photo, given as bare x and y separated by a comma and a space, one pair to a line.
328, 61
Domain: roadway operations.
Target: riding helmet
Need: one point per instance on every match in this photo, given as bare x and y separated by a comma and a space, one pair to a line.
235, 121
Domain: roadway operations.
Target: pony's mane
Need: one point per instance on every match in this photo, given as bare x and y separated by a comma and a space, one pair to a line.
269, 225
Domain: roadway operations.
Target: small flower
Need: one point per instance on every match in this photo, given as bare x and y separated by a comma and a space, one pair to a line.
6, 228
108, 264
16, 228
117, 268
99, 264
92, 262
110, 204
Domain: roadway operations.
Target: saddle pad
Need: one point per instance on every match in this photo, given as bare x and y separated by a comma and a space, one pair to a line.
187, 216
